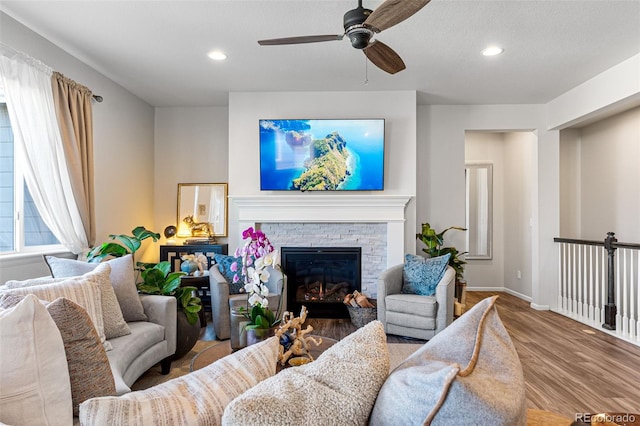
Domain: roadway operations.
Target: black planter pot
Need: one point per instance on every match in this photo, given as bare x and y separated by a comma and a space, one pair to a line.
186, 335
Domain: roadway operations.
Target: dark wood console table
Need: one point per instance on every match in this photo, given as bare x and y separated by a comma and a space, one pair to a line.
173, 254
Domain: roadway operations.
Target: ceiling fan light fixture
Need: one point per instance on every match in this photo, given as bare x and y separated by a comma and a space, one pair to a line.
217, 55
359, 36
492, 51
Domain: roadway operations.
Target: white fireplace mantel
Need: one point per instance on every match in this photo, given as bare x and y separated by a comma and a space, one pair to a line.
326, 208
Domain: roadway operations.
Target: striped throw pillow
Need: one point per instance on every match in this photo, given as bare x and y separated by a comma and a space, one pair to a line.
84, 290
201, 395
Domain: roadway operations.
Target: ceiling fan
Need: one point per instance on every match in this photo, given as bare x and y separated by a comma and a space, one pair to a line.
360, 25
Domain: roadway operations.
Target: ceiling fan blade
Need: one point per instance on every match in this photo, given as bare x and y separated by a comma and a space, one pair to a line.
392, 12
384, 57
299, 40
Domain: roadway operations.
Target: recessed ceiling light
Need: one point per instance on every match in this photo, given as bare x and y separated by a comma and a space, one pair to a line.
492, 51
217, 55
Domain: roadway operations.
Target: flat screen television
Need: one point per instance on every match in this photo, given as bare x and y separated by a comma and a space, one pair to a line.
322, 155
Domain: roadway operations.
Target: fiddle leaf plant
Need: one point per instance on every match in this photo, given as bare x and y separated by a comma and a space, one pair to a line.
158, 279
434, 242
128, 244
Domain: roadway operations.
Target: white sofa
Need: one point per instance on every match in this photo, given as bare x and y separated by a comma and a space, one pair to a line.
139, 343
149, 343
467, 374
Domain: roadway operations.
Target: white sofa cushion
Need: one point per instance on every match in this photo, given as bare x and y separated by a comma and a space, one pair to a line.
113, 321
201, 395
469, 373
338, 388
83, 290
35, 380
122, 278
126, 349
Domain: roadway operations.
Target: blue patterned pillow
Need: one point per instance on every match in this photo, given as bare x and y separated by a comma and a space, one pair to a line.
224, 263
421, 275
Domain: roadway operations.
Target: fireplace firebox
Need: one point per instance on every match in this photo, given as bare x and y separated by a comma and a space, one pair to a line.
320, 277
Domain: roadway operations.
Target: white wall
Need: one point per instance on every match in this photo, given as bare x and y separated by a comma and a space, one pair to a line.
191, 146
488, 147
612, 91
397, 108
441, 176
570, 184
123, 144
511, 154
605, 157
518, 205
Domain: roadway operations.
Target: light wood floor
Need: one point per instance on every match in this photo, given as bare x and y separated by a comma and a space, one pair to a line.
568, 367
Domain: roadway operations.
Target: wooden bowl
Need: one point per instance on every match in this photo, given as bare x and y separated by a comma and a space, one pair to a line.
299, 360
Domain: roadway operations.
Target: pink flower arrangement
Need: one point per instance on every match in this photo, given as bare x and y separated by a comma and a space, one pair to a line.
256, 254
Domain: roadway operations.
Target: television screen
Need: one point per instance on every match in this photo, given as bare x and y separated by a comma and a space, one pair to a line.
322, 155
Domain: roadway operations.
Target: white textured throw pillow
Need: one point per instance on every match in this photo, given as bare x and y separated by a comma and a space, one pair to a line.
122, 278
35, 386
201, 395
84, 290
339, 388
469, 373
113, 321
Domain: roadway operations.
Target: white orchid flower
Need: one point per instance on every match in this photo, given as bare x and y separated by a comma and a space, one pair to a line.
264, 291
255, 300
248, 288
265, 303
264, 276
260, 262
271, 259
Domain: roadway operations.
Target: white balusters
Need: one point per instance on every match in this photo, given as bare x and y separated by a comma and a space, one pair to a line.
583, 286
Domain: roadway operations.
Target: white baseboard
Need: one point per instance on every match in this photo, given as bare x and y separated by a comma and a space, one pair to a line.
518, 295
485, 288
513, 293
540, 307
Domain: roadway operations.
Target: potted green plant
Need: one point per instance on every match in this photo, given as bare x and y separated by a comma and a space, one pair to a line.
157, 278
434, 242
128, 244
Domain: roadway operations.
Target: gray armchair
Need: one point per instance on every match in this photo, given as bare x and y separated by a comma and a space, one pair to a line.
412, 315
224, 325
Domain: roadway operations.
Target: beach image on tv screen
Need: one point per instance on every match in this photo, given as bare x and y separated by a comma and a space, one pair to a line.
322, 155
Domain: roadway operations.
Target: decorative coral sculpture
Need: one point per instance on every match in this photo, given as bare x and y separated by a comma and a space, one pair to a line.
293, 339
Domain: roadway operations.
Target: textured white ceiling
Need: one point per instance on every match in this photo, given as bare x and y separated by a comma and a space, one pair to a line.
158, 49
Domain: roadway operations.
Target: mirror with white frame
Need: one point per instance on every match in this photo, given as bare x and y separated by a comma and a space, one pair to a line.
205, 203
479, 211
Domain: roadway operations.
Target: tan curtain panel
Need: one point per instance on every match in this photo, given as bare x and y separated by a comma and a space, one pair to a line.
75, 117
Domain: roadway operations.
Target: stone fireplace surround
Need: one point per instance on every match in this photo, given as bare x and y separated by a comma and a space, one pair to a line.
374, 222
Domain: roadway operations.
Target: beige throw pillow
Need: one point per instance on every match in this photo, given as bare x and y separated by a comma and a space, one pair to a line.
84, 290
122, 279
197, 398
89, 370
339, 388
35, 386
469, 373
113, 321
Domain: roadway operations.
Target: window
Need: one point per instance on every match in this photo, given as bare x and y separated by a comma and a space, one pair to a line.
21, 227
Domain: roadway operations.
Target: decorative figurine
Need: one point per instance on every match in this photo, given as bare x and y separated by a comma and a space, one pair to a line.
292, 337
198, 229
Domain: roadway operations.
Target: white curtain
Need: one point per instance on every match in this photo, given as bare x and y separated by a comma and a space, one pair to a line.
27, 88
